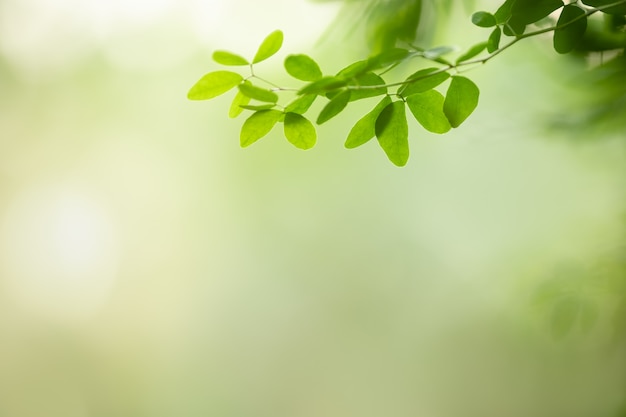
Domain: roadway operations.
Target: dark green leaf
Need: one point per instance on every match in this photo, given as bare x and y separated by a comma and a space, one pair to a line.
461, 100
423, 80
619, 9
257, 93
392, 131
301, 104
530, 11
214, 84
365, 128
483, 19
564, 315
229, 58
334, 107
494, 40
473, 51
299, 131
302, 67
323, 85
514, 27
427, 108
258, 125
504, 12
270, 45
571, 27
258, 107
237, 103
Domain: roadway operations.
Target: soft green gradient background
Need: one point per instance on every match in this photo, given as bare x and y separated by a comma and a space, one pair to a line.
150, 267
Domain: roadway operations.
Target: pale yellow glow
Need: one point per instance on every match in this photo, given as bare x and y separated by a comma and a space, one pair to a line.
60, 252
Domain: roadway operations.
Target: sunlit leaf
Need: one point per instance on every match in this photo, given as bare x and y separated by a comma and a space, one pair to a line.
257, 93
229, 58
258, 125
354, 69
530, 11
392, 131
461, 100
214, 84
483, 19
258, 106
472, 52
494, 40
387, 58
301, 104
619, 9
369, 79
235, 107
323, 85
427, 108
423, 80
270, 45
302, 67
299, 131
564, 315
334, 107
365, 128
571, 27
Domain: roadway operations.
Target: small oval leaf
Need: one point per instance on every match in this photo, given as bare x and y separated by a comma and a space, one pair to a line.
461, 100
214, 84
229, 58
365, 128
257, 93
270, 45
427, 108
334, 107
392, 131
258, 125
571, 28
301, 104
423, 80
236, 106
472, 52
300, 131
494, 40
483, 19
302, 67
323, 85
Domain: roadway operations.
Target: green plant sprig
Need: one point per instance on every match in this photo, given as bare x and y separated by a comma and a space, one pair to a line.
387, 121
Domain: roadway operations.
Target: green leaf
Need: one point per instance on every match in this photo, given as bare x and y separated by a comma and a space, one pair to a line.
270, 45
237, 103
531, 11
564, 315
503, 14
258, 107
369, 79
423, 80
365, 128
570, 30
461, 100
214, 84
439, 51
324, 85
301, 104
387, 58
299, 131
302, 67
334, 107
483, 19
427, 108
258, 125
514, 27
472, 52
392, 131
229, 58
354, 69
257, 93
619, 9
494, 40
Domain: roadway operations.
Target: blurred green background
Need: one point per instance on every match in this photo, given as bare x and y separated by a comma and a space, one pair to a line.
150, 267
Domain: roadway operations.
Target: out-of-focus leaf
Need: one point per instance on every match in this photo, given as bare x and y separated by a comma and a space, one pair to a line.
427, 108
302, 67
571, 27
257, 93
365, 128
324, 85
386, 58
483, 19
235, 107
437, 52
258, 125
461, 100
564, 315
214, 84
270, 45
334, 107
472, 52
299, 131
392, 131
229, 58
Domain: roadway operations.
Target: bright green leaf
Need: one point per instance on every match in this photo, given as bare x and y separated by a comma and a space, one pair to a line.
354, 69
619, 9
229, 58
237, 103
257, 93
299, 131
483, 19
392, 131
365, 128
472, 52
427, 108
301, 104
423, 80
387, 58
369, 79
571, 27
258, 107
258, 125
302, 67
334, 107
461, 100
323, 85
214, 84
494, 40
270, 45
